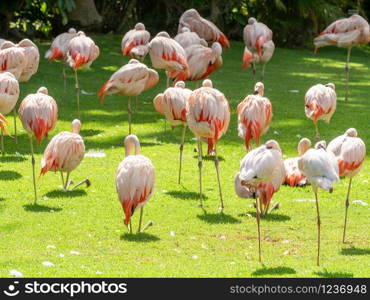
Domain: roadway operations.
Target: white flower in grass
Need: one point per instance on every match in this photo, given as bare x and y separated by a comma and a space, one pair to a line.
172, 234
48, 264
99, 272
15, 273
61, 255
232, 263
195, 256
204, 247
74, 252
359, 202
50, 247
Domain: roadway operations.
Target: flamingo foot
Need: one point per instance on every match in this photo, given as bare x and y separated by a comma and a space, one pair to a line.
276, 206
149, 224
87, 181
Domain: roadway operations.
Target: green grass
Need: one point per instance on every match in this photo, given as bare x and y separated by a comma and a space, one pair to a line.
205, 244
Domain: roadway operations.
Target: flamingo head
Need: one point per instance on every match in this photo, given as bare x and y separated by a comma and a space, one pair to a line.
133, 61
217, 48
303, 145
185, 29
43, 90
72, 30
207, 83
272, 144
180, 84
251, 21
76, 126
163, 34
140, 26
132, 142
320, 145
330, 85
352, 132
259, 88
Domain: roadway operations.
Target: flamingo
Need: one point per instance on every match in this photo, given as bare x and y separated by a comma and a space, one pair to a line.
350, 151
254, 116
321, 169
261, 174
204, 28
12, 59
3, 130
38, 113
172, 104
187, 38
135, 42
131, 79
208, 116
58, 51
32, 56
293, 175
81, 52
320, 103
134, 181
202, 62
259, 47
165, 53
345, 33
9, 94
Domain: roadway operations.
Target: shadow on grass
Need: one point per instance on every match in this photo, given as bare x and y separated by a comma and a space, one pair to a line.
12, 158
328, 274
272, 217
186, 195
9, 175
355, 251
2, 199
209, 158
218, 218
141, 237
90, 132
62, 194
274, 271
40, 208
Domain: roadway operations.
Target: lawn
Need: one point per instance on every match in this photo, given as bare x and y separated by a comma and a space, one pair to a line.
82, 232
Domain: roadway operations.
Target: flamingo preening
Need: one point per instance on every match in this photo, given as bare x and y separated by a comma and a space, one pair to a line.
64, 153
259, 47
134, 181
135, 42
261, 174
345, 33
320, 104
208, 116
350, 151
172, 103
188, 38
131, 79
38, 113
254, 116
321, 169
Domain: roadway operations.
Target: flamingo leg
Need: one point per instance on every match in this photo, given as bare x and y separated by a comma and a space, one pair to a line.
87, 181
347, 205
318, 229
140, 219
253, 65
64, 82
136, 102
33, 170
218, 179
317, 136
61, 175
181, 149
347, 73
200, 169
15, 126
129, 114
258, 229
130, 226
67, 183
263, 72
78, 94
2, 143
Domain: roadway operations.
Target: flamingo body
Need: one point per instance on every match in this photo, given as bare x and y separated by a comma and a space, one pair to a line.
135, 42
12, 59
32, 58
9, 92
82, 51
188, 38
59, 46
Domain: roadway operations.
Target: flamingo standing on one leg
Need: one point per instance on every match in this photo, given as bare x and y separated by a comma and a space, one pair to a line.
204, 28
261, 174
38, 113
82, 51
202, 62
254, 116
165, 53
32, 56
188, 38
12, 59
9, 94
58, 51
259, 46
64, 153
134, 181
135, 42
208, 116
172, 104
321, 169
131, 79
320, 103
293, 175
345, 33
350, 151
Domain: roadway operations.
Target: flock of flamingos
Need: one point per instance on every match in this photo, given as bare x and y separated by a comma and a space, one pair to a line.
205, 110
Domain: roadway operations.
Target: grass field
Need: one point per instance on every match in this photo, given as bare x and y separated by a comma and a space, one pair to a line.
185, 241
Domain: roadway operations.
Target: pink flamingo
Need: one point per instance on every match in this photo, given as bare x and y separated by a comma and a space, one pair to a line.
135, 42
321, 169
261, 174
81, 52
320, 103
208, 117
259, 46
9, 94
350, 151
254, 116
293, 175
165, 53
204, 28
38, 113
64, 153
345, 33
172, 104
12, 59
131, 79
202, 62
188, 38
58, 51
32, 56
134, 181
